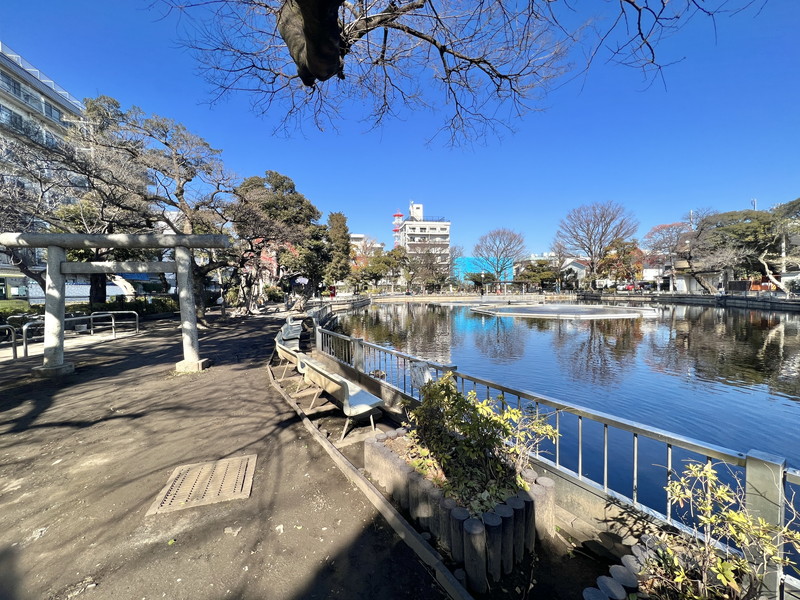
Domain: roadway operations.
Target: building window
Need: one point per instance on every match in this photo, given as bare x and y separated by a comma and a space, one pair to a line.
11, 84
52, 112
9, 117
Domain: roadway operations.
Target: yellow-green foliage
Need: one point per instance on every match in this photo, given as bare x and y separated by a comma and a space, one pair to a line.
730, 551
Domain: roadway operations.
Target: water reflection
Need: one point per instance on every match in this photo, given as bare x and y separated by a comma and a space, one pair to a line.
597, 351
737, 347
724, 376
500, 339
424, 330
729, 346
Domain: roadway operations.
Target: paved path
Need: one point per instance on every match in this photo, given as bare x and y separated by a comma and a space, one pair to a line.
83, 458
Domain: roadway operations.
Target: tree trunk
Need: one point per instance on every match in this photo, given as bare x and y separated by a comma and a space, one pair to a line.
768, 273
704, 282
198, 278
97, 289
19, 261
124, 285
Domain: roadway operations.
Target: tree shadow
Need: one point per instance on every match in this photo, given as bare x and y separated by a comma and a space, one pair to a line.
9, 583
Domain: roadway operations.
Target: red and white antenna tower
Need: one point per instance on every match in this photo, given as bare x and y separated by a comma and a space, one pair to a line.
398, 220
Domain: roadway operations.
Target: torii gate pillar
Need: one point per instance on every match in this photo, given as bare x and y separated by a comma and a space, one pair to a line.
191, 348
53, 364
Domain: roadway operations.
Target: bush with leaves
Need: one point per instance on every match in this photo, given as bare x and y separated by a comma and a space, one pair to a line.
728, 552
474, 448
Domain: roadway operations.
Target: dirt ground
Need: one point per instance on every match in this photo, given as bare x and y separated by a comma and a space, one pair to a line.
83, 458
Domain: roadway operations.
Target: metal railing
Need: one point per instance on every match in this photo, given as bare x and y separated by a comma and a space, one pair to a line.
378, 362
91, 328
13, 339
628, 461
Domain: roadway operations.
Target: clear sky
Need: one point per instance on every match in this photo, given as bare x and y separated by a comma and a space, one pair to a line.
723, 131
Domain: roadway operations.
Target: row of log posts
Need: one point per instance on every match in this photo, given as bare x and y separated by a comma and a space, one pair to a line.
488, 545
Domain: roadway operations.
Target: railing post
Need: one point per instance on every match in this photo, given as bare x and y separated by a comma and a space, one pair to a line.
358, 354
764, 497
318, 338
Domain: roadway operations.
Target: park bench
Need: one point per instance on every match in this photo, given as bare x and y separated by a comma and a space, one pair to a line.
357, 403
285, 355
289, 335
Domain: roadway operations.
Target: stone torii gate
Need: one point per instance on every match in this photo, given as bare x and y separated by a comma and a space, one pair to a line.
57, 266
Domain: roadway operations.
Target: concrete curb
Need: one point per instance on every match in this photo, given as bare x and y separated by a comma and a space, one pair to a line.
404, 530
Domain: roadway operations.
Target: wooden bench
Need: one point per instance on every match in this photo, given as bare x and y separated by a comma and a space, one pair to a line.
357, 403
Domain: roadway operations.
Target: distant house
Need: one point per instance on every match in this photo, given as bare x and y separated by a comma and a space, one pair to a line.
575, 271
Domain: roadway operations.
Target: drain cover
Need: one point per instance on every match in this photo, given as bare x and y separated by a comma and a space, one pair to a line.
206, 483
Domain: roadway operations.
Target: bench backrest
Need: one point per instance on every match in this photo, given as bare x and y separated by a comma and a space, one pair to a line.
333, 384
285, 353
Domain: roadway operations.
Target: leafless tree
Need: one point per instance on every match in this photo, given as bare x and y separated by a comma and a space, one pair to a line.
429, 263
662, 243
488, 60
663, 239
498, 250
590, 230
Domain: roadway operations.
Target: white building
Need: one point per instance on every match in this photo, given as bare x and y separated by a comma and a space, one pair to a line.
365, 245
33, 110
420, 235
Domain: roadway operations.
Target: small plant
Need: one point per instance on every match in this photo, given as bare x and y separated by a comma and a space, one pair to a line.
729, 552
473, 448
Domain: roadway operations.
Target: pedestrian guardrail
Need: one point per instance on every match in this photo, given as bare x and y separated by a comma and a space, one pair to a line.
13, 334
92, 325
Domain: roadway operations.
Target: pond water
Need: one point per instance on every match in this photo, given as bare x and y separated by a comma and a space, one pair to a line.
724, 376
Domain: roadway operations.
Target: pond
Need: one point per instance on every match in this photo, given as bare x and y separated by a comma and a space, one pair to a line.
723, 376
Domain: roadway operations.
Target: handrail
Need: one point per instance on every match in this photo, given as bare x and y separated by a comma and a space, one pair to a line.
112, 314
13, 340
659, 435
91, 318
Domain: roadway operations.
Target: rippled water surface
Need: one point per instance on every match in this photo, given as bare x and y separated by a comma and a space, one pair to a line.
724, 376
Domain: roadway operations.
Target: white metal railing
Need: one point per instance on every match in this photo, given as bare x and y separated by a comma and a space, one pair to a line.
92, 318
624, 455
13, 339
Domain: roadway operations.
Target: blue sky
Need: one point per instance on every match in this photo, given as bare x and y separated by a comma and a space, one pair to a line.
723, 131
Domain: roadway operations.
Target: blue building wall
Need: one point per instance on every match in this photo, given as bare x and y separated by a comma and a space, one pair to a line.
469, 264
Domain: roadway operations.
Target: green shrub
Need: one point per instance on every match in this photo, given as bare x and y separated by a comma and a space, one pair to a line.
143, 306
274, 294
16, 307
474, 448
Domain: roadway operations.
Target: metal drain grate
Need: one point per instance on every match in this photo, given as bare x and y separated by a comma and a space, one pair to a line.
206, 483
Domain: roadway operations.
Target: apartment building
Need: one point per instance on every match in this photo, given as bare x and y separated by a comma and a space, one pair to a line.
421, 235
34, 110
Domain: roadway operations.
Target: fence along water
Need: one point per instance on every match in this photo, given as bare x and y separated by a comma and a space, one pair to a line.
634, 476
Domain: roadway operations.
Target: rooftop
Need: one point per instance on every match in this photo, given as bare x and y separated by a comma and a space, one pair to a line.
45, 83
